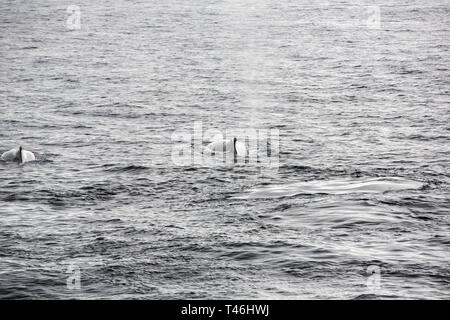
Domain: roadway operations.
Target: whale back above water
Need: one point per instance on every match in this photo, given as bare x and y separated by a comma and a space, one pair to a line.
228, 146
18, 155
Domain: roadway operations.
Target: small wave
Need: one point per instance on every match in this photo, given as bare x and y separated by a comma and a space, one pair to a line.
130, 168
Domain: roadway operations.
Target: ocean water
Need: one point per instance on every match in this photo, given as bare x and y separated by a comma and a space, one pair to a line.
357, 206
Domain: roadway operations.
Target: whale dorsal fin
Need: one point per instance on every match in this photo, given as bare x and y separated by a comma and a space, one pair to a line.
19, 155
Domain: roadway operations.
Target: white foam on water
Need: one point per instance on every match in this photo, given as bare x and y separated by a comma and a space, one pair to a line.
335, 187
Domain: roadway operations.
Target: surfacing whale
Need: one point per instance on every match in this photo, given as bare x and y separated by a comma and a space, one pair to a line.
232, 146
19, 155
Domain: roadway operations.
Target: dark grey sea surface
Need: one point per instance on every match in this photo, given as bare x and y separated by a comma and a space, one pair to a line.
362, 111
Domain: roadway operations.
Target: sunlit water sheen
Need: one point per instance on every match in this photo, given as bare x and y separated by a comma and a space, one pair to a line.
363, 180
